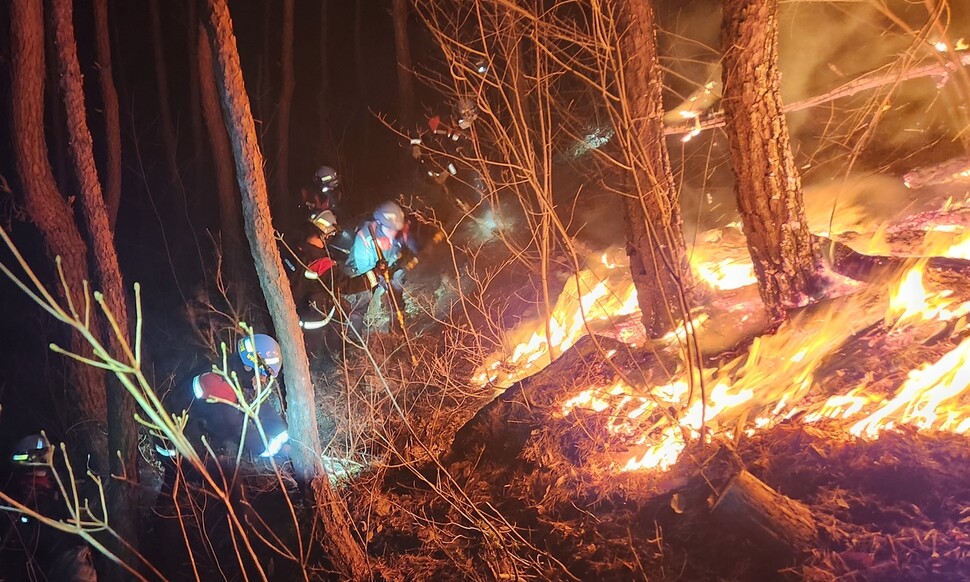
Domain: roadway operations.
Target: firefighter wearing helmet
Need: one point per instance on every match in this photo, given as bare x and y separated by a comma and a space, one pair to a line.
324, 193
318, 291
52, 554
262, 353
382, 251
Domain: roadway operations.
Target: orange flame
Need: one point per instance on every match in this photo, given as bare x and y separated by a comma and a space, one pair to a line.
773, 381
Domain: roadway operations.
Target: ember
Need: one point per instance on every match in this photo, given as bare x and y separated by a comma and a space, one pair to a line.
772, 382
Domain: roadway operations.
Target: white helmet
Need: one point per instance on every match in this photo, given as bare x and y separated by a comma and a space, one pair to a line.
325, 221
326, 178
390, 216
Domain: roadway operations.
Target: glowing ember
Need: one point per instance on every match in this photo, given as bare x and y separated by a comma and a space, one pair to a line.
726, 275
776, 378
592, 300
910, 301
928, 397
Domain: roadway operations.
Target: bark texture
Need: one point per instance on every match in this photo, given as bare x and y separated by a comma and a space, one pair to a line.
230, 211
767, 183
402, 48
285, 104
122, 428
112, 119
654, 227
344, 549
48, 210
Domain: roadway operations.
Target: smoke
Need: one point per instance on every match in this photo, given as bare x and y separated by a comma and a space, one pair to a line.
852, 151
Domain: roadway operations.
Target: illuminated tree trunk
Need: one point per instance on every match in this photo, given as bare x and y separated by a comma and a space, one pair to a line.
122, 428
402, 47
55, 119
285, 104
767, 183
230, 212
654, 228
47, 208
344, 549
112, 121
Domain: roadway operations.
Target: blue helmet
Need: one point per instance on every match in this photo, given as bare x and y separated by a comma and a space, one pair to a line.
261, 352
390, 216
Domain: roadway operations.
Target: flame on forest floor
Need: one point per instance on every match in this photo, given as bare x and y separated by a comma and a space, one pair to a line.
773, 381
594, 300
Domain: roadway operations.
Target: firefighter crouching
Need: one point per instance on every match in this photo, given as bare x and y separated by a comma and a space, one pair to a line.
215, 415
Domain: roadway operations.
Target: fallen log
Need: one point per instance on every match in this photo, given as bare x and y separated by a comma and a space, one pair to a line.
768, 519
875, 268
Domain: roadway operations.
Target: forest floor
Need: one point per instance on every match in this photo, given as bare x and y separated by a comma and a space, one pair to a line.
537, 482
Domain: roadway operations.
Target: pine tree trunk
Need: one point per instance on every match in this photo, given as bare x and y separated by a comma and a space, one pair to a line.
325, 147
112, 121
654, 228
402, 48
230, 211
47, 208
122, 428
161, 80
767, 183
345, 551
55, 120
285, 105
361, 71
195, 104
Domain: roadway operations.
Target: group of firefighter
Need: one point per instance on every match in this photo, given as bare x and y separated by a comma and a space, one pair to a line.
335, 273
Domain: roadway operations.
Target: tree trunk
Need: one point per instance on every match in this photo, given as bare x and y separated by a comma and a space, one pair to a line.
195, 109
47, 208
345, 551
361, 73
767, 183
112, 121
230, 212
325, 147
55, 120
122, 428
286, 102
779, 525
654, 228
405, 78
161, 79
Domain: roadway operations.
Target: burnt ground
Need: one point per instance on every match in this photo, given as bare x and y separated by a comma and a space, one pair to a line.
526, 492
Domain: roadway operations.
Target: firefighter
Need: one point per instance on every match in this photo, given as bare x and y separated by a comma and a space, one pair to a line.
325, 192
439, 146
442, 151
383, 250
262, 353
34, 485
58, 555
216, 408
319, 289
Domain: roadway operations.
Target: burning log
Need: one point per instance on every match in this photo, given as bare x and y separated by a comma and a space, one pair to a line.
953, 170
874, 268
767, 518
